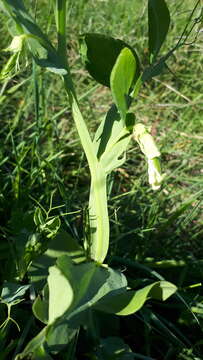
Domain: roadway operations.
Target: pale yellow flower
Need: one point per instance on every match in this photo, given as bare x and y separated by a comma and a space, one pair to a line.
152, 153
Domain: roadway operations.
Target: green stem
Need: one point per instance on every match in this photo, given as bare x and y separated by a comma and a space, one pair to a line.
60, 15
98, 213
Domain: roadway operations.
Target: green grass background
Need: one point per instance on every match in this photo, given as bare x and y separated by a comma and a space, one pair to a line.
41, 157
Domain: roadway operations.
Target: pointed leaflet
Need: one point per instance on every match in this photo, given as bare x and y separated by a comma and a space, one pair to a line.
132, 301
121, 80
158, 22
99, 53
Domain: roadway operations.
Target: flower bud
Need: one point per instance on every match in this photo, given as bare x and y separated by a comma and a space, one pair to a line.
13, 64
154, 173
16, 44
150, 150
146, 141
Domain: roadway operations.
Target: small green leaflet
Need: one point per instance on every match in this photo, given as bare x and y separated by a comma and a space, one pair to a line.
121, 80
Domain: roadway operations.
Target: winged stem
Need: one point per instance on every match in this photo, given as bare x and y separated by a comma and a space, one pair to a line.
98, 213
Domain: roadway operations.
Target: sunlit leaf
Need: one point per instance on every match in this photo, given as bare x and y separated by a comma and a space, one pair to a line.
132, 301
60, 293
90, 283
121, 80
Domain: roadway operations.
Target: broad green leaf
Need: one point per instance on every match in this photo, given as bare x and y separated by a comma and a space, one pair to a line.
13, 293
76, 279
61, 244
158, 21
40, 47
60, 334
122, 78
100, 52
60, 293
132, 301
90, 283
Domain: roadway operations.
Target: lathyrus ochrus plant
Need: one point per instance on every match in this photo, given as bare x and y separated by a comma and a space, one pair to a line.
73, 283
